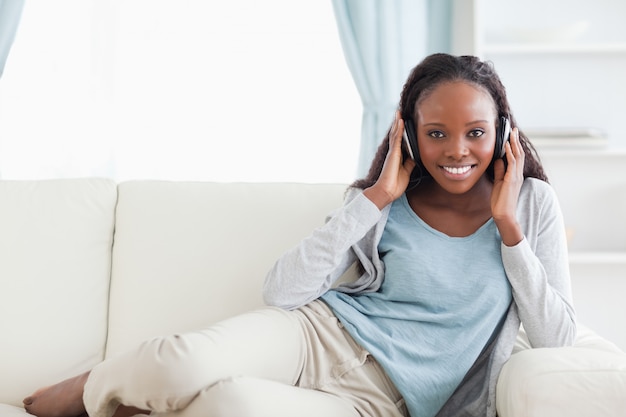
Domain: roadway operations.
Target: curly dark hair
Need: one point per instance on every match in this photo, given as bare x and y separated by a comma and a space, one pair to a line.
433, 71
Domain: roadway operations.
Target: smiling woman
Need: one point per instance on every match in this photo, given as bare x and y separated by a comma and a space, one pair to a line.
223, 91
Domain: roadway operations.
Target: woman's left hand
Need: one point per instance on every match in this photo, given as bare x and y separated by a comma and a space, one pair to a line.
506, 188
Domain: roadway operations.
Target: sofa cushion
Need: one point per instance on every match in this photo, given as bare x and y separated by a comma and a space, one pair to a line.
55, 257
188, 254
12, 411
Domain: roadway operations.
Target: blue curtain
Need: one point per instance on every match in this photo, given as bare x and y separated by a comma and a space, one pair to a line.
10, 13
382, 40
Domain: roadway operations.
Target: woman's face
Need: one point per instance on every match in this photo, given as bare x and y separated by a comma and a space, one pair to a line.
456, 134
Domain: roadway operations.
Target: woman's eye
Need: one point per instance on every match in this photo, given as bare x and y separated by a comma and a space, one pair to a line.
437, 134
476, 133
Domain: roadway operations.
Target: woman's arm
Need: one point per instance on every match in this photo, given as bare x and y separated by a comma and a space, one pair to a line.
538, 269
307, 271
534, 250
311, 268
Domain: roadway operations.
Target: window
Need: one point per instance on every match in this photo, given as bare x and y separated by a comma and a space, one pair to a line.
238, 90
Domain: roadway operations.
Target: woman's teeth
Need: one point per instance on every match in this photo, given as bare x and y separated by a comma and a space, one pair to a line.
458, 170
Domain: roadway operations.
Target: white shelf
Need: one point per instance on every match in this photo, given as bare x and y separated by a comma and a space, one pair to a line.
591, 258
552, 143
603, 155
553, 48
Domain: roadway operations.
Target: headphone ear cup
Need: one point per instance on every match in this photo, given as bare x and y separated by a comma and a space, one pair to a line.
411, 133
497, 150
503, 130
416, 148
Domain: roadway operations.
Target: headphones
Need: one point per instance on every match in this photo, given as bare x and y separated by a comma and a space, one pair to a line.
411, 150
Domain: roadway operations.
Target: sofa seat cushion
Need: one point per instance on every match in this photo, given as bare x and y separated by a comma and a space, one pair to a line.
12, 411
587, 379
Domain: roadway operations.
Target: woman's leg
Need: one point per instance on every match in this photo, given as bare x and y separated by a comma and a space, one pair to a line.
339, 378
251, 397
166, 374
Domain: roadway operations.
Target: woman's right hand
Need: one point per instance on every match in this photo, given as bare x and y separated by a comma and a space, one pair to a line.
394, 178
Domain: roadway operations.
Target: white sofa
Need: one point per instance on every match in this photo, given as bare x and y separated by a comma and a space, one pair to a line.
89, 267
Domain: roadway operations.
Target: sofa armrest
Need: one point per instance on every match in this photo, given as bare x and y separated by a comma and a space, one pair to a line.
587, 379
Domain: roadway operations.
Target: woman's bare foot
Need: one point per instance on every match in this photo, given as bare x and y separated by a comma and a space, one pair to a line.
64, 399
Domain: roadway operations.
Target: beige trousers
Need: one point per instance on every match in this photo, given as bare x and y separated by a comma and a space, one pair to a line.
266, 363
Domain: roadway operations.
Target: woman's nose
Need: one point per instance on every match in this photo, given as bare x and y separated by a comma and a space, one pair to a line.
457, 148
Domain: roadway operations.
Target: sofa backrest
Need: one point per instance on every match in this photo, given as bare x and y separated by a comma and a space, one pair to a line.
188, 254
55, 260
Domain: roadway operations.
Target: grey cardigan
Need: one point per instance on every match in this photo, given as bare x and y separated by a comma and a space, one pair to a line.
537, 269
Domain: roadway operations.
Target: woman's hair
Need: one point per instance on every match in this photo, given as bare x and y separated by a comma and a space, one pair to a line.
438, 69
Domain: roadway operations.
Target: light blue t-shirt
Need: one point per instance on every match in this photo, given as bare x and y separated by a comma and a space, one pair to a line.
440, 303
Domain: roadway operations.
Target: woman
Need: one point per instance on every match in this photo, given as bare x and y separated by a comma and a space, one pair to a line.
454, 250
